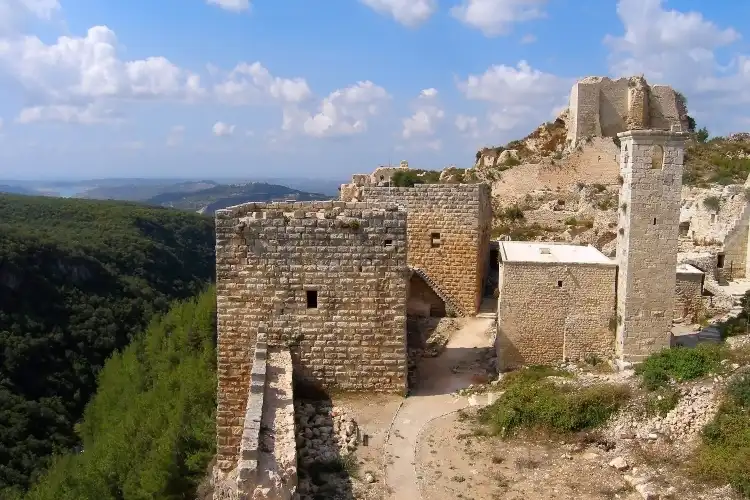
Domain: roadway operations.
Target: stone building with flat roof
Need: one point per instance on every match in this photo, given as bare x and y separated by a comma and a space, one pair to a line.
555, 302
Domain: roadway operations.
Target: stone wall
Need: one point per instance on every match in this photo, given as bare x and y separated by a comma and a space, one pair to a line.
448, 235
550, 312
600, 106
651, 168
423, 301
688, 291
274, 261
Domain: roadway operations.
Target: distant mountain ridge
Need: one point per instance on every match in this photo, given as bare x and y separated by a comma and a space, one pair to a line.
221, 196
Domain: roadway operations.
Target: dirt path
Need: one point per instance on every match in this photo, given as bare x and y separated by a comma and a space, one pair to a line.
456, 368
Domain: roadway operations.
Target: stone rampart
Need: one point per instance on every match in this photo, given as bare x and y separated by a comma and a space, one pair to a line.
551, 312
448, 235
601, 106
326, 279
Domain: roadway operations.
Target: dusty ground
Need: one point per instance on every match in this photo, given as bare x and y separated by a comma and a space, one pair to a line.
453, 462
373, 413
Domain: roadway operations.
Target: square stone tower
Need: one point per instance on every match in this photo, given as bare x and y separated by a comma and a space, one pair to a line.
651, 164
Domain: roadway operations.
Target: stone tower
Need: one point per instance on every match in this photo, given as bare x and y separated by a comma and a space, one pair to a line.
651, 171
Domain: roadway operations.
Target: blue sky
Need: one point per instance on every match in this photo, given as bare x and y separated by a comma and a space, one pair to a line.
283, 88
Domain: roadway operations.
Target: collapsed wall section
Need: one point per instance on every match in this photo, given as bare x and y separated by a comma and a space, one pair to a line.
327, 280
448, 235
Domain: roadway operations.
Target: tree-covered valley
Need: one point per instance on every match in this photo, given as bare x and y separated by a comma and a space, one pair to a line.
79, 280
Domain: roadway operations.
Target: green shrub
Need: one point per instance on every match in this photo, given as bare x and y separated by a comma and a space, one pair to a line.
680, 364
599, 188
512, 213
701, 135
662, 401
556, 409
724, 454
511, 161
712, 203
571, 221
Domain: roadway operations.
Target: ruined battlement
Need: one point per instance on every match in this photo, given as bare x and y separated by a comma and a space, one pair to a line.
327, 280
603, 107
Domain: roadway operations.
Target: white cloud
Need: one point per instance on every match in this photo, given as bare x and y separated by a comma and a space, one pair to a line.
428, 93
497, 17
176, 136
663, 42
468, 125
13, 13
231, 5
407, 12
343, 112
222, 129
520, 98
253, 83
519, 86
426, 116
679, 49
88, 68
84, 115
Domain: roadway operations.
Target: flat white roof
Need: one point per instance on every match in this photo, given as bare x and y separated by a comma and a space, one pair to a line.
551, 253
688, 269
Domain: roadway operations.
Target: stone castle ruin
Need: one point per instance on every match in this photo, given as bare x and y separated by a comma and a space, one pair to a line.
317, 294
602, 107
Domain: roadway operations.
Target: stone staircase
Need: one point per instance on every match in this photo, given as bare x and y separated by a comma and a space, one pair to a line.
450, 307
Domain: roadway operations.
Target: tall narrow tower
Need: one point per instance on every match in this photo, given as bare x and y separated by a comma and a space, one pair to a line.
651, 171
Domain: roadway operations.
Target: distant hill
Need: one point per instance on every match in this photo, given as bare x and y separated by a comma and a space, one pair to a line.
139, 191
6, 188
78, 279
221, 196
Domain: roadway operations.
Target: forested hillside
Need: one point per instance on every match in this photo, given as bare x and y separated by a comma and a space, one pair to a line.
78, 279
148, 433
225, 195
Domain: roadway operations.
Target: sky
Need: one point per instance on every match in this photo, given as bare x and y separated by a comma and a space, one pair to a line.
328, 88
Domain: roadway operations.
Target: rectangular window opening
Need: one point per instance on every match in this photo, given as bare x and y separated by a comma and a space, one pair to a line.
559, 284
654, 221
388, 243
720, 261
435, 240
312, 299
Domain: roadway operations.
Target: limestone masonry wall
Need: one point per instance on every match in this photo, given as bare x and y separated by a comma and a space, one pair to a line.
328, 280
448, 235
550, 312
600, 106
651, 168
688, 290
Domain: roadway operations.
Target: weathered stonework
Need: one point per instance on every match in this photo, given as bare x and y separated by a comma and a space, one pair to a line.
651, 168
326, 279
448, 235
688, 292
554, 311
602, 107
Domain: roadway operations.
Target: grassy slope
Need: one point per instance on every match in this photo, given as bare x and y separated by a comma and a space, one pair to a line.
77, 280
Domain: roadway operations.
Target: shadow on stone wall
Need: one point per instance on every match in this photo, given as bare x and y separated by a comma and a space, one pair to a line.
324, 446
